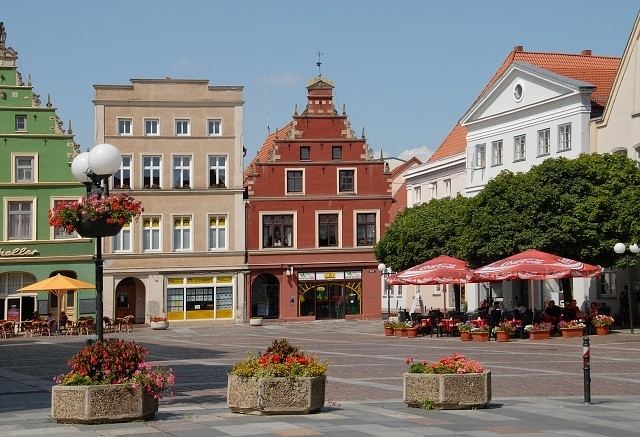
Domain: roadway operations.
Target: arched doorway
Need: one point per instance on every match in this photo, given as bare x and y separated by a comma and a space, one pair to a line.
265, 297
130, 299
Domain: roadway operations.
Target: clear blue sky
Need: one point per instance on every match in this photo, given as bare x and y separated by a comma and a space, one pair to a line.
406, 70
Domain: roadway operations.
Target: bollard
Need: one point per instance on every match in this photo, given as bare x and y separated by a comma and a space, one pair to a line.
586, 367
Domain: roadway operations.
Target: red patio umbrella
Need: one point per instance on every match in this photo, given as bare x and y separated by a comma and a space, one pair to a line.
440, 270
534, 264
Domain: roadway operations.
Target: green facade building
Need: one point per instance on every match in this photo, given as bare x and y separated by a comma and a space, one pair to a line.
35, 158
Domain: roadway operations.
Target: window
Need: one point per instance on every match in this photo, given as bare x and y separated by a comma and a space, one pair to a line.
152, 126
346, 181
519, 148
336, 153
122, 241
327, 230
60, 233
181, 172
182, 233
150, 234
366, 229
305, 153
544, 142
295, 181
214, 127
183, 127
124, 126
277, 231
400, 291
24, 169
564, 137
217, 171
217, 232
122, 177
151, 171
21, 122
607, 287
496, 155
447, 187
20, 219
481, 152
417, 194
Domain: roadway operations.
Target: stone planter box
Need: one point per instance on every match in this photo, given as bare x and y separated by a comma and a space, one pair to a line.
266, 396
100, 404
448, 392
164, 324
255, 321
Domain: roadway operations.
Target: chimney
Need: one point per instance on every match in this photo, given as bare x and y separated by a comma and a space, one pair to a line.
586, 52
518, 49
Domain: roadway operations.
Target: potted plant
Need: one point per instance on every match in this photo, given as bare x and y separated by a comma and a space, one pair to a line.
388, 328
503, 330
412, 329
95, 216
452, 382
572, 328
159, 322
400, 329
282, 380
480, 333
109, 381
465, 330
602, 323
539, 331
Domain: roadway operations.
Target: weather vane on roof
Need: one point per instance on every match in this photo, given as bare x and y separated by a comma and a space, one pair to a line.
319, 63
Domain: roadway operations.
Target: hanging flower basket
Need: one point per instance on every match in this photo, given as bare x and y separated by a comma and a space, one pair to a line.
97, 228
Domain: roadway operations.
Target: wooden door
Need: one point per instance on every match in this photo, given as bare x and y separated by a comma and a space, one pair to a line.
125, 301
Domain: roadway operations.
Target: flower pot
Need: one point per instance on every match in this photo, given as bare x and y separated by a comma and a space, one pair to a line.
571, 332
412, 332
388, 331
275, 395
447, 391
480, 336
97, 228
162, 324
539, 335
502, 336
255, 321
602, 330
400, 332
465, 336
100, 404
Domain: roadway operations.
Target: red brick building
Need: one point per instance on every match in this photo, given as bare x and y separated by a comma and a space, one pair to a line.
318, 201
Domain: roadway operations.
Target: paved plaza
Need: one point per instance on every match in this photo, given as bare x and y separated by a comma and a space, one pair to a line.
537, 386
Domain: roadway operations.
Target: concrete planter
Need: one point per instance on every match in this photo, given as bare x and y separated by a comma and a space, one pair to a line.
267, 396
255, 321
100, 404
448, 392
163, 324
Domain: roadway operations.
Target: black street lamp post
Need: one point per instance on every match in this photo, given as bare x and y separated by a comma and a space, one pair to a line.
94, 168
385, 274
621, 248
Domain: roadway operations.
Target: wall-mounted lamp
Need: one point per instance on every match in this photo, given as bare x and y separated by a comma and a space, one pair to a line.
289, 271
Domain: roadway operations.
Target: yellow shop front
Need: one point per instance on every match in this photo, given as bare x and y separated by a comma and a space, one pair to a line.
200, 297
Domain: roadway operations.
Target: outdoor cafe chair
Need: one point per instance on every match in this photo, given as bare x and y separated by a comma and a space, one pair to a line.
127, 323
109, 324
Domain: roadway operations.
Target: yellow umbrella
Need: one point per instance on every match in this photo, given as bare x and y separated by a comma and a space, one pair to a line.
57, 284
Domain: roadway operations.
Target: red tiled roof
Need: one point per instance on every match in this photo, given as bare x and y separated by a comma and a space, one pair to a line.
599, 71
269, 142
404, 166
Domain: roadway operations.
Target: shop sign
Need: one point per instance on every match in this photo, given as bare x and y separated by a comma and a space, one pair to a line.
224, 279
18, 251
306, 276
175, 281
329, 275
357, 274
199, 280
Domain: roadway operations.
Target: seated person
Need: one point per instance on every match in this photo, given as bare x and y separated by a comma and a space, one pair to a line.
63, 319
36, 315
553, 313
570, 312
593, 309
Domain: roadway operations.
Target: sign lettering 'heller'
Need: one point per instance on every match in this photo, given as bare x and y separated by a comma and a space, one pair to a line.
19, 251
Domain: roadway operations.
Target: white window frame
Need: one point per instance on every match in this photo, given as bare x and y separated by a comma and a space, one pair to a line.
520, 140
294, 233
355, 180
23, 117
152, 168
355, 225
497, 153
34, 205
210, 122
447, 187
62, 235
337, 212
217, 168
118, 241
124, 132
480, 156
182, 169
564, 137
124, 167
177, 245
417, 194
544, 142
14, 167
150, 231
147, 132
286, 182
217, 228
179, 124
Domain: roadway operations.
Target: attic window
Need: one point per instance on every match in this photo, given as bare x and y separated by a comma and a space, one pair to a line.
517, 92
